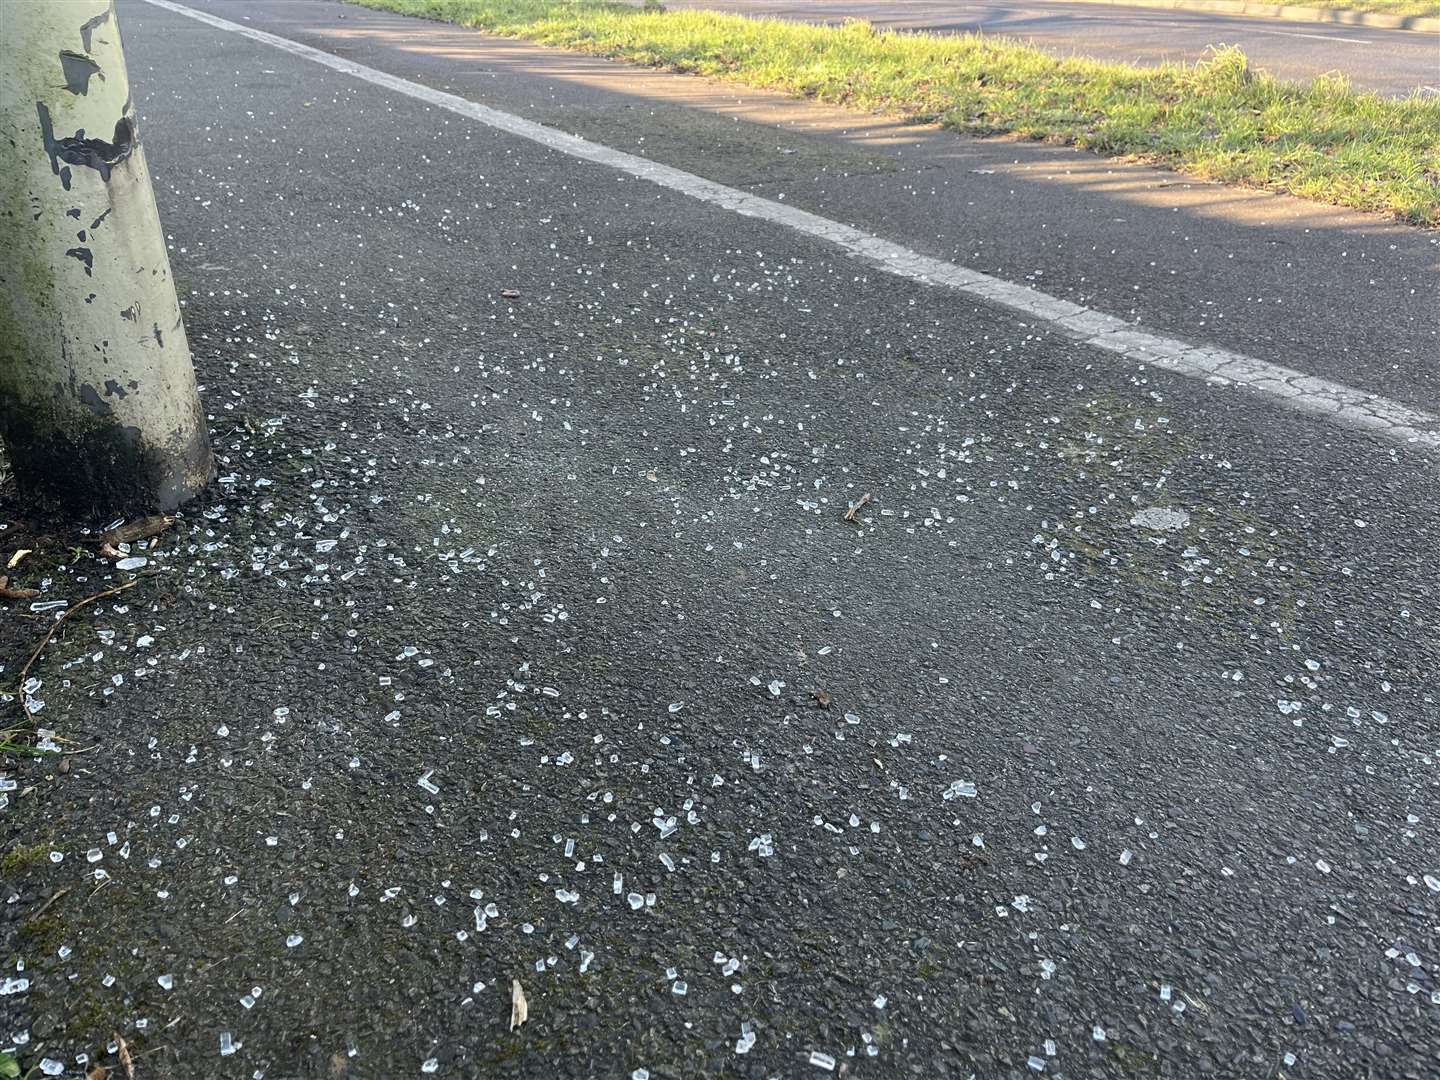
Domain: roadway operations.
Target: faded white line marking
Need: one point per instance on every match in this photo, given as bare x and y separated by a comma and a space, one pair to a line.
1316, 37
1332, 401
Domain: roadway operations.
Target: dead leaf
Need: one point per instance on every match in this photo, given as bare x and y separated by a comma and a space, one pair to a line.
97, 1072
519, 1010
123, 1053
16, 593
64, 766
821, 698
15, 559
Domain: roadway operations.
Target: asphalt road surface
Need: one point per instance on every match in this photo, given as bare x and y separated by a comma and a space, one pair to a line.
524, 638
1393, 62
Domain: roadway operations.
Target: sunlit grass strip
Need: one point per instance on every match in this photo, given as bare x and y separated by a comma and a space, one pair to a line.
1219, 119
1386, 7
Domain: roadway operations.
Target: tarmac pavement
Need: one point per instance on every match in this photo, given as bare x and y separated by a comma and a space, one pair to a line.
524, 636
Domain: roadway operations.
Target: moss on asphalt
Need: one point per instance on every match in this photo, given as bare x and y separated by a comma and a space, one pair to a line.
1219, 119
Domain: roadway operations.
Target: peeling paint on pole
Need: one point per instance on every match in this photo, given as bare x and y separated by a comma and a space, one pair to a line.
98, 403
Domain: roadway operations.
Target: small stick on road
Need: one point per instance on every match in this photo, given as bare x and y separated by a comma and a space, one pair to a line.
850, 514
140, 529
46, 905
24, 671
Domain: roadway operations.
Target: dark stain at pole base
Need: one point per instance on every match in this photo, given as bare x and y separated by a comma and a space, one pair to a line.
78, 69
159, 337
85, 255
114, 389
75, 149
116, 471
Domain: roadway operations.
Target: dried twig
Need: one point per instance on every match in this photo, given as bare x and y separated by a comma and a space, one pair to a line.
139, 529
20, 553
855, 509
9, 592
46, 905
24, 671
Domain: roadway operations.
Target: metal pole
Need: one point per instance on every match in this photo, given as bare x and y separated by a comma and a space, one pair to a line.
98, 404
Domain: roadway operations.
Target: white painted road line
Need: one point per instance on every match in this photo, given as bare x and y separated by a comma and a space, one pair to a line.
1335, 402
1316, 37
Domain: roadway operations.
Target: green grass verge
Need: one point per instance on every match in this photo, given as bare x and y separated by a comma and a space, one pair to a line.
1218, 120
1386, 7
